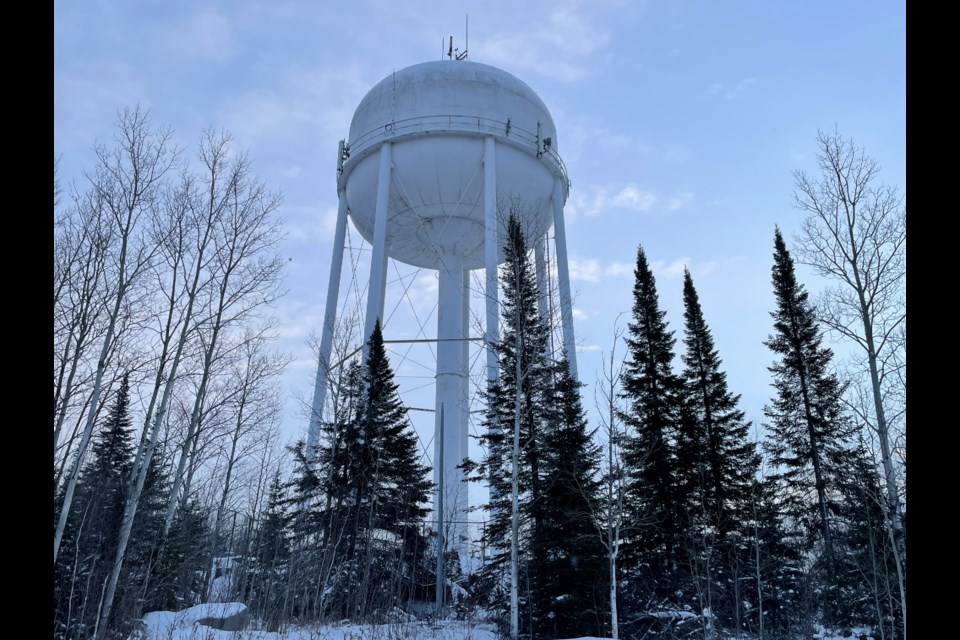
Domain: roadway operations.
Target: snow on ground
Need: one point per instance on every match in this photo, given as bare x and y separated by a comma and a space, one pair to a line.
167, 625
182, 625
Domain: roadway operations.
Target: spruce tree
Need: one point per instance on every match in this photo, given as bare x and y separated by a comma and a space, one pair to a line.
90, 534
652, 392
516, 401
562, 572
370, 484
269, 558
717, 461
808, 435
866, 579
573, 597
780, 602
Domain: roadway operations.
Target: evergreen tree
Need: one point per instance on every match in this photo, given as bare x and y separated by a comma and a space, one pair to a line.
517, 399
562, 566
866, 581
652, 557
717, 461
809, 436
89, 541
573, 598
270, 553
780, 605
371, 495
139, 593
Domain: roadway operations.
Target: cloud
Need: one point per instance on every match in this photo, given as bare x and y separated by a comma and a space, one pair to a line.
730, 93
302, 105
674, 270
557, 45
309, 224
616, 269
596, 199
679, 201
671, 270
591, 270
205, 36
630, 197
586, 270
579, 314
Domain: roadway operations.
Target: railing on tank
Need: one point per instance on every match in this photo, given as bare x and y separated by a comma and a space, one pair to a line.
503, 130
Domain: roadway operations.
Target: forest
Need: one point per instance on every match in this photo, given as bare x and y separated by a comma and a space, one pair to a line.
664, 518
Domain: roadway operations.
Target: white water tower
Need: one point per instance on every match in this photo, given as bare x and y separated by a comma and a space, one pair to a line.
435, 152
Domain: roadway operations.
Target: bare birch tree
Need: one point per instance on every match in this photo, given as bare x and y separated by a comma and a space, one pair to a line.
855, 235
125, 186
244, 266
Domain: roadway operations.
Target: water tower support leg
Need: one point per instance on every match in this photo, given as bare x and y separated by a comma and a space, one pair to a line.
329, 320
563, 276
465, 369
541, 279
490, 252
378, 261
465, 403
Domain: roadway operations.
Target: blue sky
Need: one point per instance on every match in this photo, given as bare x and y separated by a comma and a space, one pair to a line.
680, 123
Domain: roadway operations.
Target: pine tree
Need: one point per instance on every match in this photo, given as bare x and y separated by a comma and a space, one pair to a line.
809, 436
562, 566
866, 589
269, 558
780, 604
89, 541
716, 459
373, 493
652, 557
573, 598
516, 401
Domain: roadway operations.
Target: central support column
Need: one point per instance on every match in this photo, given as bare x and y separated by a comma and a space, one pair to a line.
450, 384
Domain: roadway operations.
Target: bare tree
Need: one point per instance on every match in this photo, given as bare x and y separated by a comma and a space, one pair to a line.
79, 254
125, 187
243, 265
855, 235
611, 521
216, 235
254, 406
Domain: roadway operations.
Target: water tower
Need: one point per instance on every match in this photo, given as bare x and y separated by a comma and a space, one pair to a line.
435, 153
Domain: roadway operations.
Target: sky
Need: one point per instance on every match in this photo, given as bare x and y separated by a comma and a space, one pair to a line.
680, 124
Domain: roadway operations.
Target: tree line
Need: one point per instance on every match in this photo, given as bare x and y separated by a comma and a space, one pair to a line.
666, 518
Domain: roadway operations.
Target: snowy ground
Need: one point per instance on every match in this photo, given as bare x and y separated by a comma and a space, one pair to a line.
167, 625
183, 625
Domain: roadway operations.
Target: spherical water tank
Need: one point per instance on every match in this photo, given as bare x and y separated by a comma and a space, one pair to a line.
436, 116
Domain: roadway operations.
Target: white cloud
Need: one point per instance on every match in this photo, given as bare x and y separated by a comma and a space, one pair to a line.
617, 269
674, 270
679, 201
589, 348
671, 270
587, 270
596, 199
579, 314
310, 106
557, 45
630, 197
309, 224
591, 270
726, 92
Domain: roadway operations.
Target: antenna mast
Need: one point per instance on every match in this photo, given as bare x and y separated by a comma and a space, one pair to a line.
456, 54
